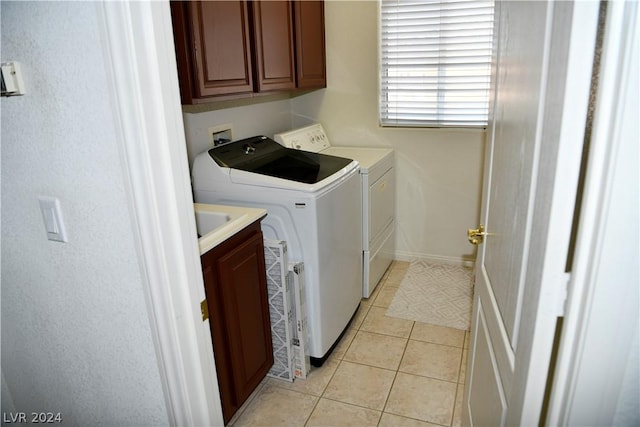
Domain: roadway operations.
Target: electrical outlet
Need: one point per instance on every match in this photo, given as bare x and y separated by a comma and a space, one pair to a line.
220, 134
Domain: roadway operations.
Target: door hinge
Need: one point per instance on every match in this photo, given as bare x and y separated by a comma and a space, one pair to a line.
204, 309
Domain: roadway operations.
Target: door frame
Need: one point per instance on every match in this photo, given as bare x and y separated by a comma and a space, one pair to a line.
137, 44
599, 340
564, 105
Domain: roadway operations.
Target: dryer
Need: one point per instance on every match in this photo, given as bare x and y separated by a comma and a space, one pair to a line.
377, 174
313, 203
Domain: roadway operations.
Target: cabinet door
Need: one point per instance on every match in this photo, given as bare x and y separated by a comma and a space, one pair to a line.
218, 329
246, 312
274, 53
221, 47
310, 44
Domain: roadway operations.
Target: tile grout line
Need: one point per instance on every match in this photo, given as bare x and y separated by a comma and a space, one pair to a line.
340, 360
386, 401
455, 400
404, 350
460, 387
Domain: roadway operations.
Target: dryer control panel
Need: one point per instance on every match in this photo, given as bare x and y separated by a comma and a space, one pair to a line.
309, 138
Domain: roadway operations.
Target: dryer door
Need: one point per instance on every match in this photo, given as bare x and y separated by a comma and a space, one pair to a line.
381, 203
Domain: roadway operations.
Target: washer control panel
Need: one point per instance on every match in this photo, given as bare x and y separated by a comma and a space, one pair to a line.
309, 138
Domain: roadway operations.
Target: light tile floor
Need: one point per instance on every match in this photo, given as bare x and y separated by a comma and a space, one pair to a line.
384, 372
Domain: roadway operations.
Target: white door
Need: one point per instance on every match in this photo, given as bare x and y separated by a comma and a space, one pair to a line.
543, 54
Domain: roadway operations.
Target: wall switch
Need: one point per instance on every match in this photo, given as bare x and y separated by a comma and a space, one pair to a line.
220, 134
52, 217
11, 83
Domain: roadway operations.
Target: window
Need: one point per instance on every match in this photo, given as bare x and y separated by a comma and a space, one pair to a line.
435, 62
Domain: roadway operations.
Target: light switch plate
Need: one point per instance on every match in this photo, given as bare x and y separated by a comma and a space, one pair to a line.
52, 217
12, 83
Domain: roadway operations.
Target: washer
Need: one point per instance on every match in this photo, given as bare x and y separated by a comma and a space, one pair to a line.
378, 196
313, 203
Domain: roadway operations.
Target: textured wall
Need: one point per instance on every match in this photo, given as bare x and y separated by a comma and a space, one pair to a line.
76, 337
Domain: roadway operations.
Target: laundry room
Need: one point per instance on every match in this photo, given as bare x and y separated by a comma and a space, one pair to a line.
439, 170
129, 260
132, 294
436, 175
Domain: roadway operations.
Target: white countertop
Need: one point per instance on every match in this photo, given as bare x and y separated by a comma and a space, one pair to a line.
239, 218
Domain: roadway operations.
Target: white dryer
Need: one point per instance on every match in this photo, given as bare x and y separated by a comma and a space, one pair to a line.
378, 196
313, 203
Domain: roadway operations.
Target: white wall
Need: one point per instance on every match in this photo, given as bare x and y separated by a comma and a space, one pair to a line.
265, 118
439, 171
76, 337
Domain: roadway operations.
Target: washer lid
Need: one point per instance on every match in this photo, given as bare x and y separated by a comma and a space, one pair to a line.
264, 156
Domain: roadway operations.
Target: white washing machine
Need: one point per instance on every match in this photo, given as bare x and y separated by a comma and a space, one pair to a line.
313, 203
378, 196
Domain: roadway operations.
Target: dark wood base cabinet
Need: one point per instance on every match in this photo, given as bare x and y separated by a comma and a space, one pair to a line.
236, 289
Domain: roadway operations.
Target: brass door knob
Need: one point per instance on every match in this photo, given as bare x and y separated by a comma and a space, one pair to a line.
476, 236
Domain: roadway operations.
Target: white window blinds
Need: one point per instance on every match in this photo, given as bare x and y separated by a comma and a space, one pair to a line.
435, 62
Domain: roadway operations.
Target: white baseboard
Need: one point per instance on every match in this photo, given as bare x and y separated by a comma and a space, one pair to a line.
413, 256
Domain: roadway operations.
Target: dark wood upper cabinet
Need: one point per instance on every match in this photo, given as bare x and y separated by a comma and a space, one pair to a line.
227, 49
274, 49
213, 48
310, 44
